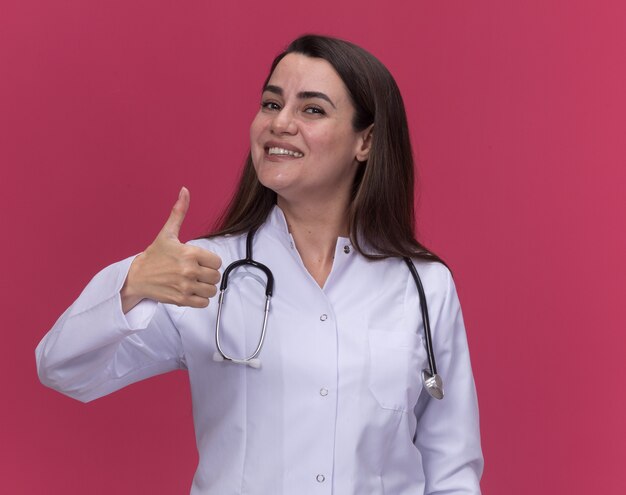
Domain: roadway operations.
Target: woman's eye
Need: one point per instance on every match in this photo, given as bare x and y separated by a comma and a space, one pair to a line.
314, 110
270, 105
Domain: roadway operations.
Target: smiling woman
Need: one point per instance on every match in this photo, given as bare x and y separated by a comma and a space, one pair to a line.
303, 144
344, 401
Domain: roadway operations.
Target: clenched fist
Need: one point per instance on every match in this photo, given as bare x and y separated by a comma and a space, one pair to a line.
169, 271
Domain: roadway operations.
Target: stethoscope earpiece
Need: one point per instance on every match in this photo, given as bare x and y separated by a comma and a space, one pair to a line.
253, 363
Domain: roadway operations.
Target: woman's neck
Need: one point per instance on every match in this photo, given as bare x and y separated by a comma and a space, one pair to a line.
315, 231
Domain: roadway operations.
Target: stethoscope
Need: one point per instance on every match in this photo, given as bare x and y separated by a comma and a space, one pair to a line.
431, 380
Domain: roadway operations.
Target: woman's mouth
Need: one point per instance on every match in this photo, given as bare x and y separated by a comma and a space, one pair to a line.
276, 151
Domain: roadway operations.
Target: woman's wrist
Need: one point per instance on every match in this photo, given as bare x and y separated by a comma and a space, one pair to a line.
129, 295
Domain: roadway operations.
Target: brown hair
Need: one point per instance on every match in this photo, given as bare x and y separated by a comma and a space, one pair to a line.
381, 212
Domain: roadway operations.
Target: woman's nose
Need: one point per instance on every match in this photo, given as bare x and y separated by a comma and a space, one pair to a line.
283, 122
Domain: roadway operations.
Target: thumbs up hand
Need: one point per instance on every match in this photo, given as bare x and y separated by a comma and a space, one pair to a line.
169, 271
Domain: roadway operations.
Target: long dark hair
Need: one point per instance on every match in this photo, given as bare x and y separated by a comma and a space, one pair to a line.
381, 212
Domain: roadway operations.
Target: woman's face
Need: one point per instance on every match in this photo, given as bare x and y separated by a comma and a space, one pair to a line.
302, 142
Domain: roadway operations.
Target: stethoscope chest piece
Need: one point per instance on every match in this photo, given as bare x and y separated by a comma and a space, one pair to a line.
433, 384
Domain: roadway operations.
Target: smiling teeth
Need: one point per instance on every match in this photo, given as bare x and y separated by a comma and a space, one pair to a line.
283, 151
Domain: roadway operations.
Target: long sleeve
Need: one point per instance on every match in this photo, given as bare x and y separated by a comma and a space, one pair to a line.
448, 434
94, 348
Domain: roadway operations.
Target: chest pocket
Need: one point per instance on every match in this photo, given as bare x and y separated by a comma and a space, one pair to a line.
396, 360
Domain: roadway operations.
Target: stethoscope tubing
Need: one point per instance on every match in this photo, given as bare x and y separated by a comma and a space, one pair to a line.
269, 288
425, 319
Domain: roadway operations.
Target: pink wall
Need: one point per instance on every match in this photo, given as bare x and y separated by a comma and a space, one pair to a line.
517, 111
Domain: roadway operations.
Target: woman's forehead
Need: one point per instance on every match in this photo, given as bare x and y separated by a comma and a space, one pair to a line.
297, 72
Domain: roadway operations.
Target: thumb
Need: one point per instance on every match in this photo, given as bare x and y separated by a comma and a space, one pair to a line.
179, 210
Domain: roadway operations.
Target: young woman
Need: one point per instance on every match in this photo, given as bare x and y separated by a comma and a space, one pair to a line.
333, 401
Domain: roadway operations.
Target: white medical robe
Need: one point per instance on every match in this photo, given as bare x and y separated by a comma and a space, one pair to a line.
337, 406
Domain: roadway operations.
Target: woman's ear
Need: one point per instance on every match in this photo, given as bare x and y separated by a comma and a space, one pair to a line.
365, 144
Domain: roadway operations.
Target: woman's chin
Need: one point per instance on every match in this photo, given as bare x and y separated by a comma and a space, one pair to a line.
275, 178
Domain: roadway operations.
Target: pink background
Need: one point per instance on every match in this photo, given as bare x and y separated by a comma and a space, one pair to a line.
517, 113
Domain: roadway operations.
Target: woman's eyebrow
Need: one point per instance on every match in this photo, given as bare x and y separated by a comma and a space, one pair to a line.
303, 95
